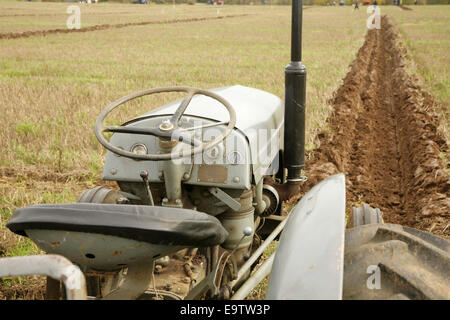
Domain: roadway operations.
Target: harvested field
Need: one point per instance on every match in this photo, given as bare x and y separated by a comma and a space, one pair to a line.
383, 136
424, 32
381, 127
54, 86
17, 17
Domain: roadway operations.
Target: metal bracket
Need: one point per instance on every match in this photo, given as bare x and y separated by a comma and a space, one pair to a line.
129, 195
212, 281
178, 203
137, 280
225, 198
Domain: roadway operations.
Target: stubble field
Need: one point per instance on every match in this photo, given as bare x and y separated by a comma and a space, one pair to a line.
53, 83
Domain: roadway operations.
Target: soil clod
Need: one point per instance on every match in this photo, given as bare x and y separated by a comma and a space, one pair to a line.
384, 138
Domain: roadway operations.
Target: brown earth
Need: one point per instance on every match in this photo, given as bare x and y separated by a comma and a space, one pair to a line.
27, 34
58, 14
383, 136
405, 8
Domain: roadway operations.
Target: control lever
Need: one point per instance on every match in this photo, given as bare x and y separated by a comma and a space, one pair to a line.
213, 280
246, 232
144, 176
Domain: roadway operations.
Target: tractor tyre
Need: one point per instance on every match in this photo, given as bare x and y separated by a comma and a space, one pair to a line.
366, 215
100, 194
388, 261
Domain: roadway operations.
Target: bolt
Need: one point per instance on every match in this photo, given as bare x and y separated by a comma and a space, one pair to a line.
236, 179
113, 171
247, 231
166, 125
144, 175
186, 175
158, 268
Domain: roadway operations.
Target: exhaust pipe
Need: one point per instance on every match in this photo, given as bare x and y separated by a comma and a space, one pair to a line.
295, 94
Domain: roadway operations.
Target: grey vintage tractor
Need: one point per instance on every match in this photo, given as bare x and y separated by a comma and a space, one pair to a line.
200, 186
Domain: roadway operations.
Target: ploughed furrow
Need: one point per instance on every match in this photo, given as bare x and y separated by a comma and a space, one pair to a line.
384, 137
27, 34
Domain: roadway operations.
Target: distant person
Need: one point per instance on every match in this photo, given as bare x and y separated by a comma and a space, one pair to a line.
415, 2
375, 3
356, 6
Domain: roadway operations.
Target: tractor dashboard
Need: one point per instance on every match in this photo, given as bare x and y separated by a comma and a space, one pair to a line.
226, 164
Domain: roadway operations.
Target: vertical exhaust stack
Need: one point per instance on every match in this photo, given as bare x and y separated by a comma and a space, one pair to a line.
295, 94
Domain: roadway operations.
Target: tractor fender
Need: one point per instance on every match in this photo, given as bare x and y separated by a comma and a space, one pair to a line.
309, 260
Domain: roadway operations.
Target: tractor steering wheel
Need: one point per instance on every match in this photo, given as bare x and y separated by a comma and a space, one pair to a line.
168, 129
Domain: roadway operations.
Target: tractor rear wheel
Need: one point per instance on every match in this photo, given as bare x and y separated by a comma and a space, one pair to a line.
100, 194
388, 261
366, 215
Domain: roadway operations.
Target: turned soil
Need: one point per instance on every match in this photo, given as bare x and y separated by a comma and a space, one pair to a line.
383, 136
27, 34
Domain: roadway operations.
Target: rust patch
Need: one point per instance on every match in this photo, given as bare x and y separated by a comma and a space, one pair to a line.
55, 244
116, 253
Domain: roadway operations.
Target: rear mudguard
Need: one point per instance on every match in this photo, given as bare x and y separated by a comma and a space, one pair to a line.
309, 261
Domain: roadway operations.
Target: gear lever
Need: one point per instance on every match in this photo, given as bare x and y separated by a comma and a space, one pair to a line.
144, 176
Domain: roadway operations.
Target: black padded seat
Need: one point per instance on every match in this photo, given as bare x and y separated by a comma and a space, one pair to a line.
152, 224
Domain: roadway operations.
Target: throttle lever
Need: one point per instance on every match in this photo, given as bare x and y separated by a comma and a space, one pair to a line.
144, 176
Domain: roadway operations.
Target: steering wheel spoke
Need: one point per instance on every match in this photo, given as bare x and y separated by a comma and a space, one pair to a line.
216, 124
173, 132
182, 108
137, 130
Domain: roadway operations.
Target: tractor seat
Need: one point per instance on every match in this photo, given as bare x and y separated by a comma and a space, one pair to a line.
151, 224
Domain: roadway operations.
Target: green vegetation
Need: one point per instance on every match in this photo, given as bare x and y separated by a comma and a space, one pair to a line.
425, 32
